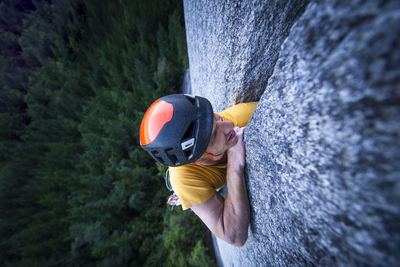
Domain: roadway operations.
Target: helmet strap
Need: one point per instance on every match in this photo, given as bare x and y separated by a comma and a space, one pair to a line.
209, 159
212, 155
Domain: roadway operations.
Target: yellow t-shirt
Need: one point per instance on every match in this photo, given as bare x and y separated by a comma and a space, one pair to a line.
195, 183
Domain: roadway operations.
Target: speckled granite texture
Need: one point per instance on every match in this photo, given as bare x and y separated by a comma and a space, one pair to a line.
233, 46
323, 145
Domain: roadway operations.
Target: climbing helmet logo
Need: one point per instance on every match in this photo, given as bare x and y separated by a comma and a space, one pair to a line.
187, 144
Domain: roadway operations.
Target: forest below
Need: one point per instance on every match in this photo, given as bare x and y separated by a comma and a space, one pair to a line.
76, 189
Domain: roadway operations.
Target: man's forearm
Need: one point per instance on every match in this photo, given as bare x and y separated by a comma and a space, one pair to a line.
236, 206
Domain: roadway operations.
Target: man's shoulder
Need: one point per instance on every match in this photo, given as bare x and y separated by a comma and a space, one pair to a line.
194, 168
187, 172
240, 113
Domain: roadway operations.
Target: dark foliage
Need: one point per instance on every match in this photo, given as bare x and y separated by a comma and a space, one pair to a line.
75, 187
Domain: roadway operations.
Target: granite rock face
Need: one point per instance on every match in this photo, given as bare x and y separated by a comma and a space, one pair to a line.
233, 46
323, 145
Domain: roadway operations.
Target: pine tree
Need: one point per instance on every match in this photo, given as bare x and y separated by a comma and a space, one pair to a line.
34, 205
75, 186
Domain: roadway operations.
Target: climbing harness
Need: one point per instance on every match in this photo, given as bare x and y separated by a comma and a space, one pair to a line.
167, 183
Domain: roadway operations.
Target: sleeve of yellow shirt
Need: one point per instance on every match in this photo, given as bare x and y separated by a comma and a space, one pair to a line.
239, 114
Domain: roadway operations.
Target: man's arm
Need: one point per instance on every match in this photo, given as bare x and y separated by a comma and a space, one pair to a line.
228, 218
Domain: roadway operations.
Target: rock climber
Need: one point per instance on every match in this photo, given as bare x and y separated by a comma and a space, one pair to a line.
205, 152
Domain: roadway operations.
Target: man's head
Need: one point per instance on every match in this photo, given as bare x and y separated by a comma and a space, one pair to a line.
176, 129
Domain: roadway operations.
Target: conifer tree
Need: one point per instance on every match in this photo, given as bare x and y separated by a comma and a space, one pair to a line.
75, 186
44, 155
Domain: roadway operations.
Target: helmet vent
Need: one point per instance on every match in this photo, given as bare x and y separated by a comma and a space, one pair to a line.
188, 153
157, 156
191, 99
172, 157
189, 132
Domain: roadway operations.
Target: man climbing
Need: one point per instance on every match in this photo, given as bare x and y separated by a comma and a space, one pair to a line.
205, 151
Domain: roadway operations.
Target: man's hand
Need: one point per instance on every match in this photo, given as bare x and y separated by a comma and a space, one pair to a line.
237, 153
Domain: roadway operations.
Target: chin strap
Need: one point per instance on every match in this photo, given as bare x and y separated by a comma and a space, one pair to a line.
212, 155
207, 157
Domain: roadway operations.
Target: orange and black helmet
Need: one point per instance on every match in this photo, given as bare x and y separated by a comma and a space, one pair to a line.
176, 129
